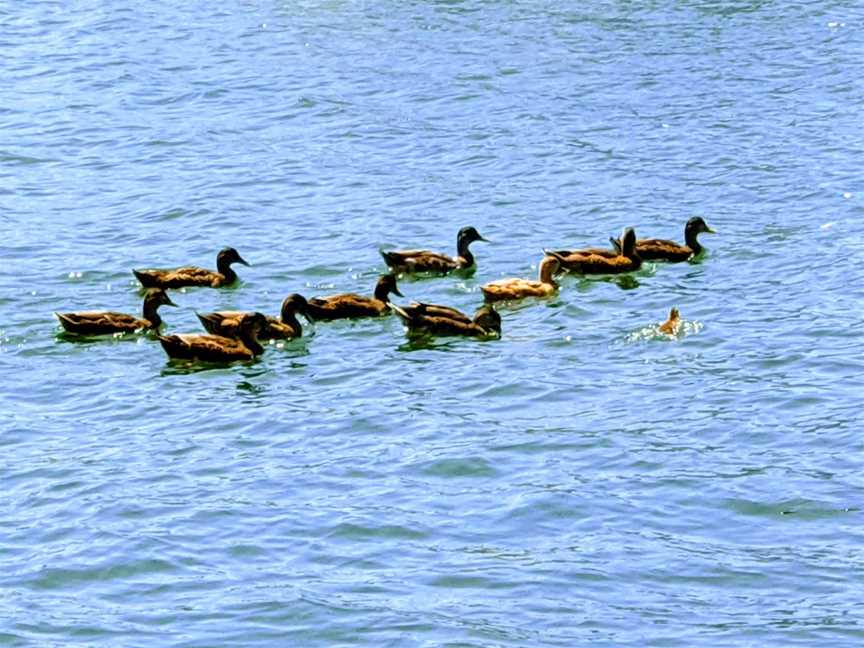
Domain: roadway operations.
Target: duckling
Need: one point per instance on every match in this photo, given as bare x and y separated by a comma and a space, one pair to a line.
581, 263
426, 261
663, 250
486, 323
672, 326
227, 323
349, 305
217, 348
107, 322
520, 288
224, 275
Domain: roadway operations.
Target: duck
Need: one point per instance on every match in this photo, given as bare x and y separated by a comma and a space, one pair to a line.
591, 263
224, 275
218, 348
286, 327
512, 289
671, 326
109, 322
663, 250
485, 323
410, 261
351, 305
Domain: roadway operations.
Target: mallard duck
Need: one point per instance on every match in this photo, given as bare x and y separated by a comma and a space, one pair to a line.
426, 261
194, 276
581, 263
349, 305
227, 323
108, 322
663, 250
217, 348
520, 288
486, 322
672, 325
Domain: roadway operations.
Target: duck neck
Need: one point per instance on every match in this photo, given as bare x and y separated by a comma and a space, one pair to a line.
223, 267
462, 249
547, 270
691, 238
250, 339
151, 313
289, 317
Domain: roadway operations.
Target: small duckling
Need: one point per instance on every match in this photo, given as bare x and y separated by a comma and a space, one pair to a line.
664, 250
425, 261
351, 305
227, 323
217, 348
592, 263
486, 323
109, 322
671, 326
224, 275
520, 288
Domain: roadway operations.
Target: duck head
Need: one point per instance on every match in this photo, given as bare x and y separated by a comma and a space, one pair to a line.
156, 297
488, 318
227, 256
698, 225
293, 304
468, 235
549, 265
385, 286
628, 242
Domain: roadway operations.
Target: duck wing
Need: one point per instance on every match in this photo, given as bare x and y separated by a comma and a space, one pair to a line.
420, 261
209, 348
437, 310
179, 277
662, 249
100, 322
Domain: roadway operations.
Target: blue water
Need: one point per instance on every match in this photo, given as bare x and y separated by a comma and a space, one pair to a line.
579, 481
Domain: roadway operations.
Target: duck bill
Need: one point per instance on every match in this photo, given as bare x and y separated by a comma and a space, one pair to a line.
168, 302
708, 230
396, 291
485, 240
243, 261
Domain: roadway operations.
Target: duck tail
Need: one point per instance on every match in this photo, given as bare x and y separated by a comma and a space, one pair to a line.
554, 254
210, 321
145, 278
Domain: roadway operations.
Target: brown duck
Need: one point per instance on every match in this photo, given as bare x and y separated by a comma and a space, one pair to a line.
585, 262
224, 275
663, 250
350, 305
426, 261
108, 322
287, 326
217, 348
420, 320
512, 289
672, 325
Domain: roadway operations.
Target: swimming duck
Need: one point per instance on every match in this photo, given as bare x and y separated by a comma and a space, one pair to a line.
486, 322
663, 250
217, 348
582, 263
426, 261
194, 276
227, 323
673, 325
520, 288
348, 305
108, 322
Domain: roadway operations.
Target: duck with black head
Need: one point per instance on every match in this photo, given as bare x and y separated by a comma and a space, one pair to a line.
665, 250
110, 322
444, 321
584, 262
287, 326
351, 305
218, 348
410, 261
224, 274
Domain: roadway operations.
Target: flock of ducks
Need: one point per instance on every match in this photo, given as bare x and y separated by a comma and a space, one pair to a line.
237, 335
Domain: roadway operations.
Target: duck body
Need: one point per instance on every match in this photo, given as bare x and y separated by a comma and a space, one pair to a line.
413, 261
224, 275
513, 289
666, 250
110, 322
218, 348
287, 326
445, 321
351, 305
587, 262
